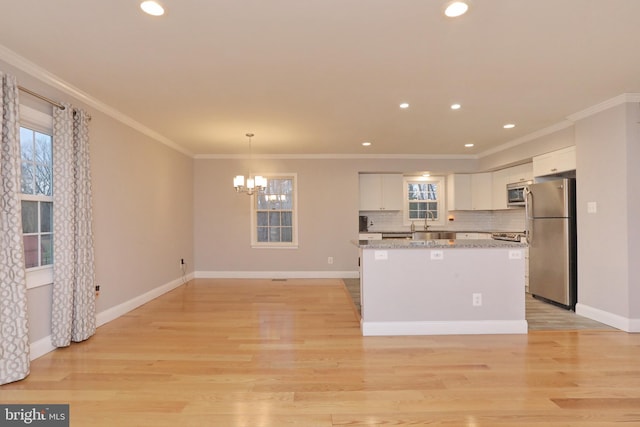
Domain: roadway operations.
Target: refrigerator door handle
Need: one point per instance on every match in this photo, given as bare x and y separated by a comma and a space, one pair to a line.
527, 217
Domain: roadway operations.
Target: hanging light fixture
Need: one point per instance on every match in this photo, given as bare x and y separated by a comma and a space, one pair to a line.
253, 185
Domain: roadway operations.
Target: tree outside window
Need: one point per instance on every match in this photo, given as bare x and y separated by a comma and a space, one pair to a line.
37, 204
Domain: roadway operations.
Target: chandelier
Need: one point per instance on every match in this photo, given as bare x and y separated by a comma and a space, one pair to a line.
253, 185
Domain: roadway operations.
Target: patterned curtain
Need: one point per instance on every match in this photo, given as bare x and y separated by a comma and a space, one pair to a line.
14, 332
73, 316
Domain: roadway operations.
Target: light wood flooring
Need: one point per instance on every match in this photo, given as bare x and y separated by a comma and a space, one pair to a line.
272, 353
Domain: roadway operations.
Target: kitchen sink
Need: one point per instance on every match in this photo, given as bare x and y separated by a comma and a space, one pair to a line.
432, 235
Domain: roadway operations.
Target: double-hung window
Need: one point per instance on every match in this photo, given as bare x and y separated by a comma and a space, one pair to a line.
274, 222
424, 200
36, 153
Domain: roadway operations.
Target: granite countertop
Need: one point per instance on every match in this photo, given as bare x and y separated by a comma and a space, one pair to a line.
438, 243
441, 230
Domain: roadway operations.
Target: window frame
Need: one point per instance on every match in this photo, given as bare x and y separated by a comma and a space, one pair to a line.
40, 122
294, 215
441, 191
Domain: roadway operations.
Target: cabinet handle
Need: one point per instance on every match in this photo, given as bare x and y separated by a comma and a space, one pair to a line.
554, 169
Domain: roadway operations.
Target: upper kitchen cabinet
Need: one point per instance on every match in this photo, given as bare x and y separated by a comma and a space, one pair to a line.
555, 162
481, 191
506, 176
469, 192
459, 192
520, 173
379, 192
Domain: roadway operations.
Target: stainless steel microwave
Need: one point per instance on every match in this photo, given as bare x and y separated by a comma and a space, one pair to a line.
515, 193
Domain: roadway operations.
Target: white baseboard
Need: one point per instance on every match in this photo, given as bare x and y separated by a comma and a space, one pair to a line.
477, 327
43, 346
121, 309
614, 320
277, 274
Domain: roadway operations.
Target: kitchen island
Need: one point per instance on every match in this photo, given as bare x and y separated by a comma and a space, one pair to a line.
438, 287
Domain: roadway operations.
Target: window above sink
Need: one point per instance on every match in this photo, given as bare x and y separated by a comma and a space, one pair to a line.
424, 201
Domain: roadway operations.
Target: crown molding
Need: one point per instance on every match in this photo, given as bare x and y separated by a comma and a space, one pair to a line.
339, 156
528, 138
56, 82
605, 105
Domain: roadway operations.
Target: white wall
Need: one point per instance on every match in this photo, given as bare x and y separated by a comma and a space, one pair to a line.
602, 178
633, 200
607, 153
143, 212
328, 213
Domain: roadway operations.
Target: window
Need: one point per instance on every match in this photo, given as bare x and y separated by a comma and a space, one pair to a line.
37, 204
424, 199
36, 152
274, 219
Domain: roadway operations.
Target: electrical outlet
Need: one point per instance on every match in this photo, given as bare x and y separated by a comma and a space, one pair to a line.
515, 254
330, 260
182, 264
477, 300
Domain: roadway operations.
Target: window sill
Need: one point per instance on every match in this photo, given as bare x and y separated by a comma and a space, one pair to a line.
39, 276
256, 246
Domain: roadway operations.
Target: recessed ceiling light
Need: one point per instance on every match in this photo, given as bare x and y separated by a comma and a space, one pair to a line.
468, 145
366, 144
455, 106
404, 105
456, 8
426, 174
152, 8
509, 126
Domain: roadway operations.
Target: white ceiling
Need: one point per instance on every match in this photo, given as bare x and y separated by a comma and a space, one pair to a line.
322, 76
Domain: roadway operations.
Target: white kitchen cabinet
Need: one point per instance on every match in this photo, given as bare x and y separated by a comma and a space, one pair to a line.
459, 192
555, 162
502, 177
466, 236
499, 183
520, 173
370, 236
481, 191
474, 236
381, 192
469, 192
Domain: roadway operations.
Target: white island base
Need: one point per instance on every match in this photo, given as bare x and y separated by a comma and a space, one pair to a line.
442, 287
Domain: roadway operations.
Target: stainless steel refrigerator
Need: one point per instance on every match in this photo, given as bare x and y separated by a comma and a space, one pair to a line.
551, 232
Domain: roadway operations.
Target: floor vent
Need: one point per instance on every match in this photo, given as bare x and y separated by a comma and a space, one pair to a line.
278, 280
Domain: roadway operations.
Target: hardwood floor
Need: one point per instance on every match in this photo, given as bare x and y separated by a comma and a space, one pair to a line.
265, 353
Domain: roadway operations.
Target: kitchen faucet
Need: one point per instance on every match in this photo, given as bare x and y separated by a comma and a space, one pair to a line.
426, 217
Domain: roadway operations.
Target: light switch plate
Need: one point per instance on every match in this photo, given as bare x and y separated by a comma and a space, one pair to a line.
592, 207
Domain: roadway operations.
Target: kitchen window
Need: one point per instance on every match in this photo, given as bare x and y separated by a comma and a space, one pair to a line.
274, 220
424, 200
36, 153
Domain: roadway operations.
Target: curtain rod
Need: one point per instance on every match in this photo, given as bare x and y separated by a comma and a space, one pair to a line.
44, 98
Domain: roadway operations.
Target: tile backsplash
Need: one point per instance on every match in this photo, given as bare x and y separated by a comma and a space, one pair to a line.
500, 220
